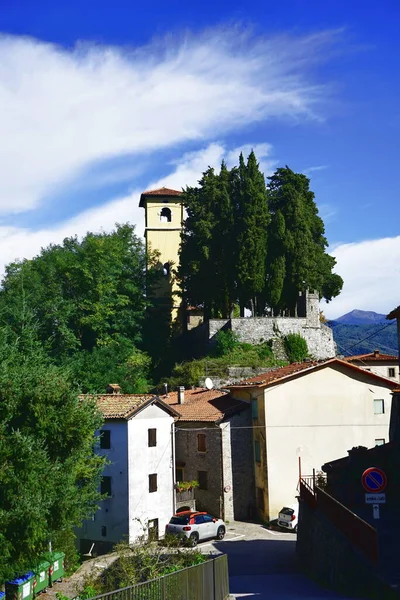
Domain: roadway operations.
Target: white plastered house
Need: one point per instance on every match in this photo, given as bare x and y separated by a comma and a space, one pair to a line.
305, 413
138, 439
386, 365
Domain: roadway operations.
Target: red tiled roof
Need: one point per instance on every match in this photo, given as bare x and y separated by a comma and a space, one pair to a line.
295, 369
396, 391
204, 405
163, 191
374, 356
124, 406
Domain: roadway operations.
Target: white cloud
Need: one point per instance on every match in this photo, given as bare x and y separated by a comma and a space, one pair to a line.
62, 110
315, 169
371, 273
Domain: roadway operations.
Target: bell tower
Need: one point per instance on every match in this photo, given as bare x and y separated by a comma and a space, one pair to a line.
163, 226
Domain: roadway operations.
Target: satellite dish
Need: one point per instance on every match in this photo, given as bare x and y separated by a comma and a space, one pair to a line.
208, 383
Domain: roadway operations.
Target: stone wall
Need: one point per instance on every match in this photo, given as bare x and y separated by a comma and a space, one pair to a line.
328, 557
255, 330
229, 463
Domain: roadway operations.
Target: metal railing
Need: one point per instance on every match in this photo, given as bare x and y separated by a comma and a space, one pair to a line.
207, 581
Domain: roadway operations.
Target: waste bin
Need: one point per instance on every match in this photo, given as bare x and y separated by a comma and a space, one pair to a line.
56, 569
21, 588
41, 581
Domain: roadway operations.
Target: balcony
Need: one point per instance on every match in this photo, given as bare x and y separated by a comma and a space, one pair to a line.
185, 499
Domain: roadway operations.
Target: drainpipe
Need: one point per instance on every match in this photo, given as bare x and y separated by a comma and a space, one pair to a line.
173, 467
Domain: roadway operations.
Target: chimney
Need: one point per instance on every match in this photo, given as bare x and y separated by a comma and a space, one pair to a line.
113, 388
376, 352
181, 395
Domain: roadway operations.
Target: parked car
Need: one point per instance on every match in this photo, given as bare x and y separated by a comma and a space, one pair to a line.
288, 517
196, 526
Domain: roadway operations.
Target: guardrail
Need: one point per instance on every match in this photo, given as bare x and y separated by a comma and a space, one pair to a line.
207, 581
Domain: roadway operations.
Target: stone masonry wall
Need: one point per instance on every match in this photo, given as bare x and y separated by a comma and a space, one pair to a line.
328, 557
255, 330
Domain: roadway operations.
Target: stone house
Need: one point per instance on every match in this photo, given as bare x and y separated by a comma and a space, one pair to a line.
214, 447
138, 440
386, 365
305, 413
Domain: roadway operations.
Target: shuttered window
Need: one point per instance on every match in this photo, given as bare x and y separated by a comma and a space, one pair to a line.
153, 482
152, 435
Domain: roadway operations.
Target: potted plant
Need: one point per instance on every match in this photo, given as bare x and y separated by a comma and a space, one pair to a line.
183, 486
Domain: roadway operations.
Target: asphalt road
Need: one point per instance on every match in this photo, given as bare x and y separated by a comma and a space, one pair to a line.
262, 565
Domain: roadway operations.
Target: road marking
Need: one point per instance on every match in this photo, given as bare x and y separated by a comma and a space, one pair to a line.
275, 532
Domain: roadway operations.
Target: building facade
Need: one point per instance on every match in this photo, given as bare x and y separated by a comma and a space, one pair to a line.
214, 447
385, 365
305, 413
138, 440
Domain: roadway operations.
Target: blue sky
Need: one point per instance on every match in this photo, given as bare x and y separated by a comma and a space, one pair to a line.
100, 100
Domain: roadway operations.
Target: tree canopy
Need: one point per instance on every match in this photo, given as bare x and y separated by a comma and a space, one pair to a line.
49, 472
253, 244
88, 299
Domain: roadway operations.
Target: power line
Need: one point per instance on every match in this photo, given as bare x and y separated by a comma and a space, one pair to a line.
369, 336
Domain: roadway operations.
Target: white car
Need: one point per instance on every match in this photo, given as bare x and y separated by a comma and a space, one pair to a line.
196, 526
288, 517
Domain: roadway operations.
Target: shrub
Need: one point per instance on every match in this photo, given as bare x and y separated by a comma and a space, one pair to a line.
225, 342
296, 347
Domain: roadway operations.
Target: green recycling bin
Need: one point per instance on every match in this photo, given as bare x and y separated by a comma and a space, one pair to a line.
56, 569
20, 588
42, 572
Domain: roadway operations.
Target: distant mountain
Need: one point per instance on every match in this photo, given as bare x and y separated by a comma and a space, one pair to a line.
361, 317
350, 331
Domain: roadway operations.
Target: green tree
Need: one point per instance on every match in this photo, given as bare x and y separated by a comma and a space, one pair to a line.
89, 300
298, 243
252, 219
49, 472
296, 347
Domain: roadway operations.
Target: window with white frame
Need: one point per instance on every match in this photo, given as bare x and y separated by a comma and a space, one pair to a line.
379, 406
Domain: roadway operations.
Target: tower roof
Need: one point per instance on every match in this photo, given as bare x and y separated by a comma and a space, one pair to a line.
162, 192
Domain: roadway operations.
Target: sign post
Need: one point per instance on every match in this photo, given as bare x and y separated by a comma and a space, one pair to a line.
374, 482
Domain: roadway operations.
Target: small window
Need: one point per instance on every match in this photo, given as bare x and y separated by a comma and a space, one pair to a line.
105, 439
166, 269
165, 215
152, 436
391, 372
257, 451
105, 486
153, 482
379, 407
203, 480
208, 518
260, 498
201, 442
379, 442
180, 476
104, 531
254, 408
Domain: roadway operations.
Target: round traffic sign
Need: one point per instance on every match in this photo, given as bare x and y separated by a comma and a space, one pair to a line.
374, 480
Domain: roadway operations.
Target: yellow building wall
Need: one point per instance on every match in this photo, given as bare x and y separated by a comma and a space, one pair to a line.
165, 238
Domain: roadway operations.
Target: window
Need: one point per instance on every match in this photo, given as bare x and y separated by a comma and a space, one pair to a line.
379, 407
180, 474
391, 372
208, 518
198, 520
165, 215
105, 486
153, 529
201, 442
254, 408
257, 451
166, 269
203, 480
104, 531
105, 439
379, 442
260, 498
152, 435
153, 482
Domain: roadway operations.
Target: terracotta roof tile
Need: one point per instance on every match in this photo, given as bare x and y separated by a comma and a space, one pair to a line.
122, 406
204, 405
294, 369
374, 356
163, 191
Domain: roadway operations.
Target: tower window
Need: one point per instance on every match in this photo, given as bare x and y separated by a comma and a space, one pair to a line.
165, 215
166, 269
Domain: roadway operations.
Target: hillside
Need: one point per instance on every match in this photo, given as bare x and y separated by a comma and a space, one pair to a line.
350, 329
